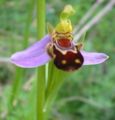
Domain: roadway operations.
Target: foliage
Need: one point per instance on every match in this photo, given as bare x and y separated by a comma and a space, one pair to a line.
87, 94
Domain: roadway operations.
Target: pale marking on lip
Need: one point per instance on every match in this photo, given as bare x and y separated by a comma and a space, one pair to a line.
65, 51
64, 62
77, 61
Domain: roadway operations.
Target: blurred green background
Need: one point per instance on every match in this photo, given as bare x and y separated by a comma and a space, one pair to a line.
88, 94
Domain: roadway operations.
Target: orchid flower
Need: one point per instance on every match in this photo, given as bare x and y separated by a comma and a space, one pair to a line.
58, 46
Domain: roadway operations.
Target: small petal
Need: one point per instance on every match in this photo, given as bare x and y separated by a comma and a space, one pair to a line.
34, 56
91, 58
40, 44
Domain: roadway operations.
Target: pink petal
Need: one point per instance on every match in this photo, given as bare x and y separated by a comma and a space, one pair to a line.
40, 44
34, 56
91, 58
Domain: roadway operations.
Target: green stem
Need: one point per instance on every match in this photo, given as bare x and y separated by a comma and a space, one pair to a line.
53, 87
15, 88
19, 75
31, 100
50, 76
41, 70
28, 23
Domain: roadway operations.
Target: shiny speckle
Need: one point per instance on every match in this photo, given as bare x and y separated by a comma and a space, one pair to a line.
64, 62
77, 61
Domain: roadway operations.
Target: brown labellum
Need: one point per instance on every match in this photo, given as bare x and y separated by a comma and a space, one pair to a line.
66, 56
69, 61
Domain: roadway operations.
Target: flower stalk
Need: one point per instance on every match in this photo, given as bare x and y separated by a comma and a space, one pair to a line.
40, 97
19, 74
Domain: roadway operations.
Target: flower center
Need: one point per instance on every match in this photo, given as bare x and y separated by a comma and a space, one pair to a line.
64, 43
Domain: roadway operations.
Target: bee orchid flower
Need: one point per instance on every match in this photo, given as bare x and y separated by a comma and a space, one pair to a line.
58, 46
